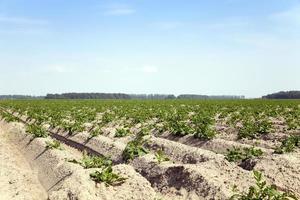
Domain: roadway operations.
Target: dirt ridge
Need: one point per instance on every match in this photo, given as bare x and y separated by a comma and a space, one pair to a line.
205, 166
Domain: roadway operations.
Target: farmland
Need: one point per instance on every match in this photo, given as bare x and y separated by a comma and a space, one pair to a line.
159, 149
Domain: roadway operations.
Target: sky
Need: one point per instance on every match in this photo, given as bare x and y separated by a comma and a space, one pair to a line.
212, 47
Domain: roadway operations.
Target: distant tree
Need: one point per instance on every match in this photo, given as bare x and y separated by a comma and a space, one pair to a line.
192, 96
196, 96
283, 95
20, 97
88, 96
152, 96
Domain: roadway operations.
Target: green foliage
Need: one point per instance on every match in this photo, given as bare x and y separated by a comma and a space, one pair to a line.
206, 133
37, 131
237, 154
179, 117
95, 133
107, 176
72, 128
145, 130
8, 117
291, 123
288, 145
134, 149
264, 126
122, 132
161, 156
200, 125
53, 145
93, 161
262, 191
252, 130
204, 126
177, 125
106, 118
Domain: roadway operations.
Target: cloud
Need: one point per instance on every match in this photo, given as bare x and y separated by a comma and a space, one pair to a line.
22, 25
150, 69
23, 31
22, 21
289, 17
259, 40
119, 10
228, 24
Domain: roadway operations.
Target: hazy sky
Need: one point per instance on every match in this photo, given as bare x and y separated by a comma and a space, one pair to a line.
249, 47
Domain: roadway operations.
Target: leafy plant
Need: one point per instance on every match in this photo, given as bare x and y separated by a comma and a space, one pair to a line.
107, 176
252, 130
95, 133
204, 127
288, 145
73, 128
9, 117
178, 126
134, 149
53, 145
93, 161
161, 156
291, 124
237, 154
36, 131
106, 118
122, 132
206, 133
146, 130
262, 191
264, 126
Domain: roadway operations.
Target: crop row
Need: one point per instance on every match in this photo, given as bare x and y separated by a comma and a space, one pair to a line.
251, 119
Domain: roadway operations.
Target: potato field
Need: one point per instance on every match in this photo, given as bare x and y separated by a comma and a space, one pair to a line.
159, 149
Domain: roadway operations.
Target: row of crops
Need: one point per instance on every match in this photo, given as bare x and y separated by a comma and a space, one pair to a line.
251, 119
184, 117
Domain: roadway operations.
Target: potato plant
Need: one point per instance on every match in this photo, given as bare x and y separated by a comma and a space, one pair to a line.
161, 156
240, 155
288, 145
9, 117
53, 145
122, 132
135, 149
107, 176
93, 161
262, 191
251, 119
37, 131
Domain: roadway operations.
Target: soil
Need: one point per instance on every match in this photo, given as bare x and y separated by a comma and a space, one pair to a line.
17, 179
196, 170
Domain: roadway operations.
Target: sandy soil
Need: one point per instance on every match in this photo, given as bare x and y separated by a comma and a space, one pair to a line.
63, 180
17, 179
196, 170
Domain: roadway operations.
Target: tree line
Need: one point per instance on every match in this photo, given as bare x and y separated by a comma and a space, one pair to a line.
283, 95
135, 96
195, 96
20, 97
119, 96
88, 96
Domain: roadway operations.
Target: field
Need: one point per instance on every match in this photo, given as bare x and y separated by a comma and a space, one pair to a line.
164, 149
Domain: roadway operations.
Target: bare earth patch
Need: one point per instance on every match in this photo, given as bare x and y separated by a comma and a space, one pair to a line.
17, 179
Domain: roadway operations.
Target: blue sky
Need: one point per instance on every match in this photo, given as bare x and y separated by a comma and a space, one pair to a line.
243, 47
